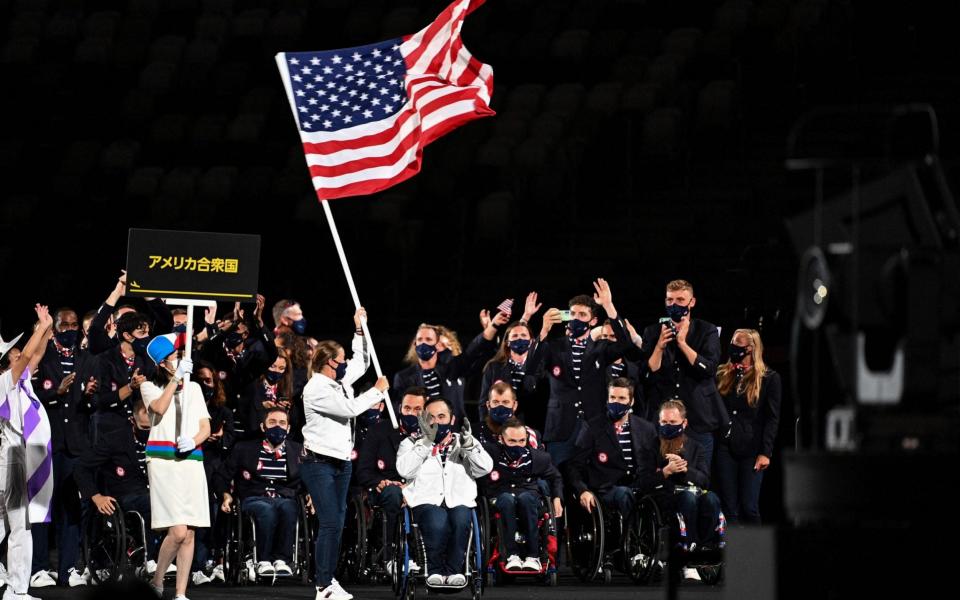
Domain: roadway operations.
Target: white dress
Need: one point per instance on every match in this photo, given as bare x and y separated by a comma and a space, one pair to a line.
178, 486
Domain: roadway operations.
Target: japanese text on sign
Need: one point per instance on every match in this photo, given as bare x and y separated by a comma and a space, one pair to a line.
202, 265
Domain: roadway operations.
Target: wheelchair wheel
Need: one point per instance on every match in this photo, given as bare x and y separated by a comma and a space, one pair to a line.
353, 546
641, 545
486, 539
399, 578
105, 547
304, 554
586, 536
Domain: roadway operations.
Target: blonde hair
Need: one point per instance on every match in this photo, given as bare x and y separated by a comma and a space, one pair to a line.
753, 378
679, 284
453, 342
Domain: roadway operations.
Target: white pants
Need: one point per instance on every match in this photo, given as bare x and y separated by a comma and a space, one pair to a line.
20, 544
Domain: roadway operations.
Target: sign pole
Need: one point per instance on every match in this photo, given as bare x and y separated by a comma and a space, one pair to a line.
188, 339
356, 301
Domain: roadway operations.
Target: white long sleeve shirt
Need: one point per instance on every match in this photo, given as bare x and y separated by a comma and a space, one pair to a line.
431, 480
330, 405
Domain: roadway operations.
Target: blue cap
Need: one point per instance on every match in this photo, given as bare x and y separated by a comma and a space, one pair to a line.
162, 346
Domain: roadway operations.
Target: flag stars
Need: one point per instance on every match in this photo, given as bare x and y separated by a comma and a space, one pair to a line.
321, 93
342, 88
303, 109
348, 119
301, 93
315, 117
312, 101
350, 78
348, 68
324, 107
327, 124
356, 56
294, 61
355, 107
331, 85
376, 53
345, 103
336, 113
384, 91
352, 93
334, 97
307, 124
309, 86
375, 101
376, 68
395, 97
327, 70
388, 109
367, 63
306, 70
395, 47
364, 96
336, 59
367, 114
315, 61
297, 78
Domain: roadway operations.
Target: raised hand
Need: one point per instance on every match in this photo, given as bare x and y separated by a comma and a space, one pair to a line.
531, 306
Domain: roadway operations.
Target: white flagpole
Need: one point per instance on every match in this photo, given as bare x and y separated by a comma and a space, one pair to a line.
356, 302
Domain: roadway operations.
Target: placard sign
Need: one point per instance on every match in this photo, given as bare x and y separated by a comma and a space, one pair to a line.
193, 264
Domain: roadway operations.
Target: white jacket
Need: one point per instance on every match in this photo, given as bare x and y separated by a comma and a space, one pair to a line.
430, 481
329, 407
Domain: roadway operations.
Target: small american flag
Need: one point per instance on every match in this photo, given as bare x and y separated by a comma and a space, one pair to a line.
506, 306
366, 113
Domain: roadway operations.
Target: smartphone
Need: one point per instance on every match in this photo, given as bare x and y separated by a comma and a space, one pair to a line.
565, 316
669, 323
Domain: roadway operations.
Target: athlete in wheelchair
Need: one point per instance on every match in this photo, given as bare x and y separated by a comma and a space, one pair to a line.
678, 489
118, 535
441, 468
513, 499
383, 485
613, 453
269, 534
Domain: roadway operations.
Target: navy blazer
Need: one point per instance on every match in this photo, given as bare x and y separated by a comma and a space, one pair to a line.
599, 464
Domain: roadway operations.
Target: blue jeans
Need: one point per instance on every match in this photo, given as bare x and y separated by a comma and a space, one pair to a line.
67, 516
276, 520
739, 487
327, 484
701, 517
705, 440
445, 533
141, 504
390, 501
529, 511
621, 498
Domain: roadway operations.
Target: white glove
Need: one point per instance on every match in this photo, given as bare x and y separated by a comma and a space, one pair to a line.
466, 437
185, 444
184, 368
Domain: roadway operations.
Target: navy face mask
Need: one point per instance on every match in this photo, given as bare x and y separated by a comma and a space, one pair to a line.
140, 345
677, 312
68, 338
515, 453
180, 328
670, 432
341, 370
500, 414
736, 353
208, 391
369, 416
616, 410
299, 326
425, 351
519, 346
577, 327
273, 376
442, 431
411, 423
276, 435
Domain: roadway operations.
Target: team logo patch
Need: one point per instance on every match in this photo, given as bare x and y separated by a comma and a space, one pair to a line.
222, 375
47, 384
556, 371
120, 472
246, 475
353, 455
602, 457
113, 386
494, 475
381, 465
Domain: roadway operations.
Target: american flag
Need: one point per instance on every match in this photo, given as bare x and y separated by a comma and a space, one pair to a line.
506, 306
366, 113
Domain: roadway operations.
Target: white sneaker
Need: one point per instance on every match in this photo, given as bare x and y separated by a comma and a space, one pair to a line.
343, 594
332, 592
171, 569
180, 597
282, 568
513, 563
532, 563
264, 568
436, 579
150, 567
456, 580
11, 595
218, 574
199, 578
412, 566
77, 579
689, 573
42, 579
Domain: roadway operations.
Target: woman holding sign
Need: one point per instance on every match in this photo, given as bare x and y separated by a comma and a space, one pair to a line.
179, 424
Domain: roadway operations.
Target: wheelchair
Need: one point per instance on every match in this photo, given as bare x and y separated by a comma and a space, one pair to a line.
494, 549
410, 546
637, 544
114, 546
363, 546
240, 550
